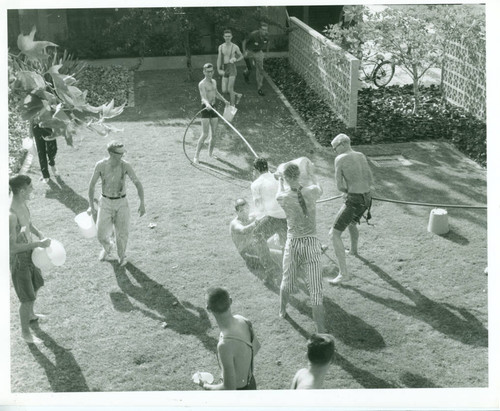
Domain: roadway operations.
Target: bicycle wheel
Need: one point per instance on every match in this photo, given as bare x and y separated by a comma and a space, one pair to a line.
383, 73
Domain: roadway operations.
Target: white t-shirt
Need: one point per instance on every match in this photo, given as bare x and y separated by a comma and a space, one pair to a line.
264, 190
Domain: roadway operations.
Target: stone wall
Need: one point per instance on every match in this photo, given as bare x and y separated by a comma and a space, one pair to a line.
464, 79
329, 70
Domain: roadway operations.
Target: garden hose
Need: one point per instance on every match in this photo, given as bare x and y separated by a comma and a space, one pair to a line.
201, 165
237, 132
387, 200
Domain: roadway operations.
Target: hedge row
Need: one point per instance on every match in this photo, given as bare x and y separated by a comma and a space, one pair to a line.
384, 115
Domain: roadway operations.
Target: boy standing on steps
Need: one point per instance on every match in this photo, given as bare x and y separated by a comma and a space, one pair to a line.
209, 119
320, 353
229, 55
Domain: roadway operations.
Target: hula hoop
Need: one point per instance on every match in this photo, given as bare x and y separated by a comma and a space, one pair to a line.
199, 166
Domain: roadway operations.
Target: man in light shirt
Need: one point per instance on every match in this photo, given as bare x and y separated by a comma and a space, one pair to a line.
271, 216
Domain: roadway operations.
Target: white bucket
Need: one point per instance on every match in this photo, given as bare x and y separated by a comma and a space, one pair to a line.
438, 221
52, 256
306, 168
86, 224
229, 112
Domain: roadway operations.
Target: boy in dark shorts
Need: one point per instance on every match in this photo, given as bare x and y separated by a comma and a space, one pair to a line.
355, 179
320, 354
26, 277
229, 54
209, 119
254, 47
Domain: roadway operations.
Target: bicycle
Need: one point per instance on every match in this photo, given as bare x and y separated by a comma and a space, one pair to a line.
382, 72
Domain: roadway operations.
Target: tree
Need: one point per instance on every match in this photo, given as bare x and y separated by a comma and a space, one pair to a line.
464, 24
183, 25
138, 26
48, 95
415, 35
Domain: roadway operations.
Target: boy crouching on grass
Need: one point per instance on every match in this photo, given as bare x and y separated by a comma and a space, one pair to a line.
320, 353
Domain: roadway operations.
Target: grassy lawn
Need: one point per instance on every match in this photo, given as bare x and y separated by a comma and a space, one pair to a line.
414, 316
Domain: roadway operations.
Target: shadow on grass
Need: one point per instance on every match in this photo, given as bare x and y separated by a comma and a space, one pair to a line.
411, 380
363, 377
441, 316
436, 177
182, 317
455, 237
64, 375
345, 327
67, 196
234, 172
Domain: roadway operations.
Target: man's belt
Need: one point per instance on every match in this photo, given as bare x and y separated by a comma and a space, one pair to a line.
114, 198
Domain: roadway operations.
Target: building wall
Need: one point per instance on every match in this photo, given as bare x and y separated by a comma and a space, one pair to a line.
464, 79
328, 69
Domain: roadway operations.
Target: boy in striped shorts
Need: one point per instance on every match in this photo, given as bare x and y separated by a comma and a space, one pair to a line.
302, 248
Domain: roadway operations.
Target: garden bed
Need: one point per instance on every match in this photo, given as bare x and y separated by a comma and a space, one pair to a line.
384, 115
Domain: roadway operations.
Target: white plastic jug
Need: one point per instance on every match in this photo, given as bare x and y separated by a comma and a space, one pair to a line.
27, 143
86, 224
229, 112
52, 256
306, 168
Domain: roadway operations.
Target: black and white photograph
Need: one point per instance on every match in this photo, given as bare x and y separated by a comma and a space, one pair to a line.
250, 196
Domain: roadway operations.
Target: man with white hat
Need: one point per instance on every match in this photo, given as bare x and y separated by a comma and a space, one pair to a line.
113, 205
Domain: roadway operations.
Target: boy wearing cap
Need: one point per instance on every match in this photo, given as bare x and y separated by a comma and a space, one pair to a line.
114, 211
320, 354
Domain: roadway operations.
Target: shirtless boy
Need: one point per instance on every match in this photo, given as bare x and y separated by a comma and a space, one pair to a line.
26, 277
229, 55
242, 230
209, 119
320, 354
355, 179
113, 205
237, 344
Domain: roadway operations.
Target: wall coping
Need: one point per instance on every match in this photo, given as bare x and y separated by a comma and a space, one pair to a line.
327, 42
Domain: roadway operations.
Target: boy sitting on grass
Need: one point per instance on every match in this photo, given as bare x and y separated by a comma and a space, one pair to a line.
320, 353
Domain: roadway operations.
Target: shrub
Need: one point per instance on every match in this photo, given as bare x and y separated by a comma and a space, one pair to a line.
385, 115
105, 83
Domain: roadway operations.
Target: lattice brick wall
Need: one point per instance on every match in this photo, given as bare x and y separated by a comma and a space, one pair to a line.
330, 71
464, 79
